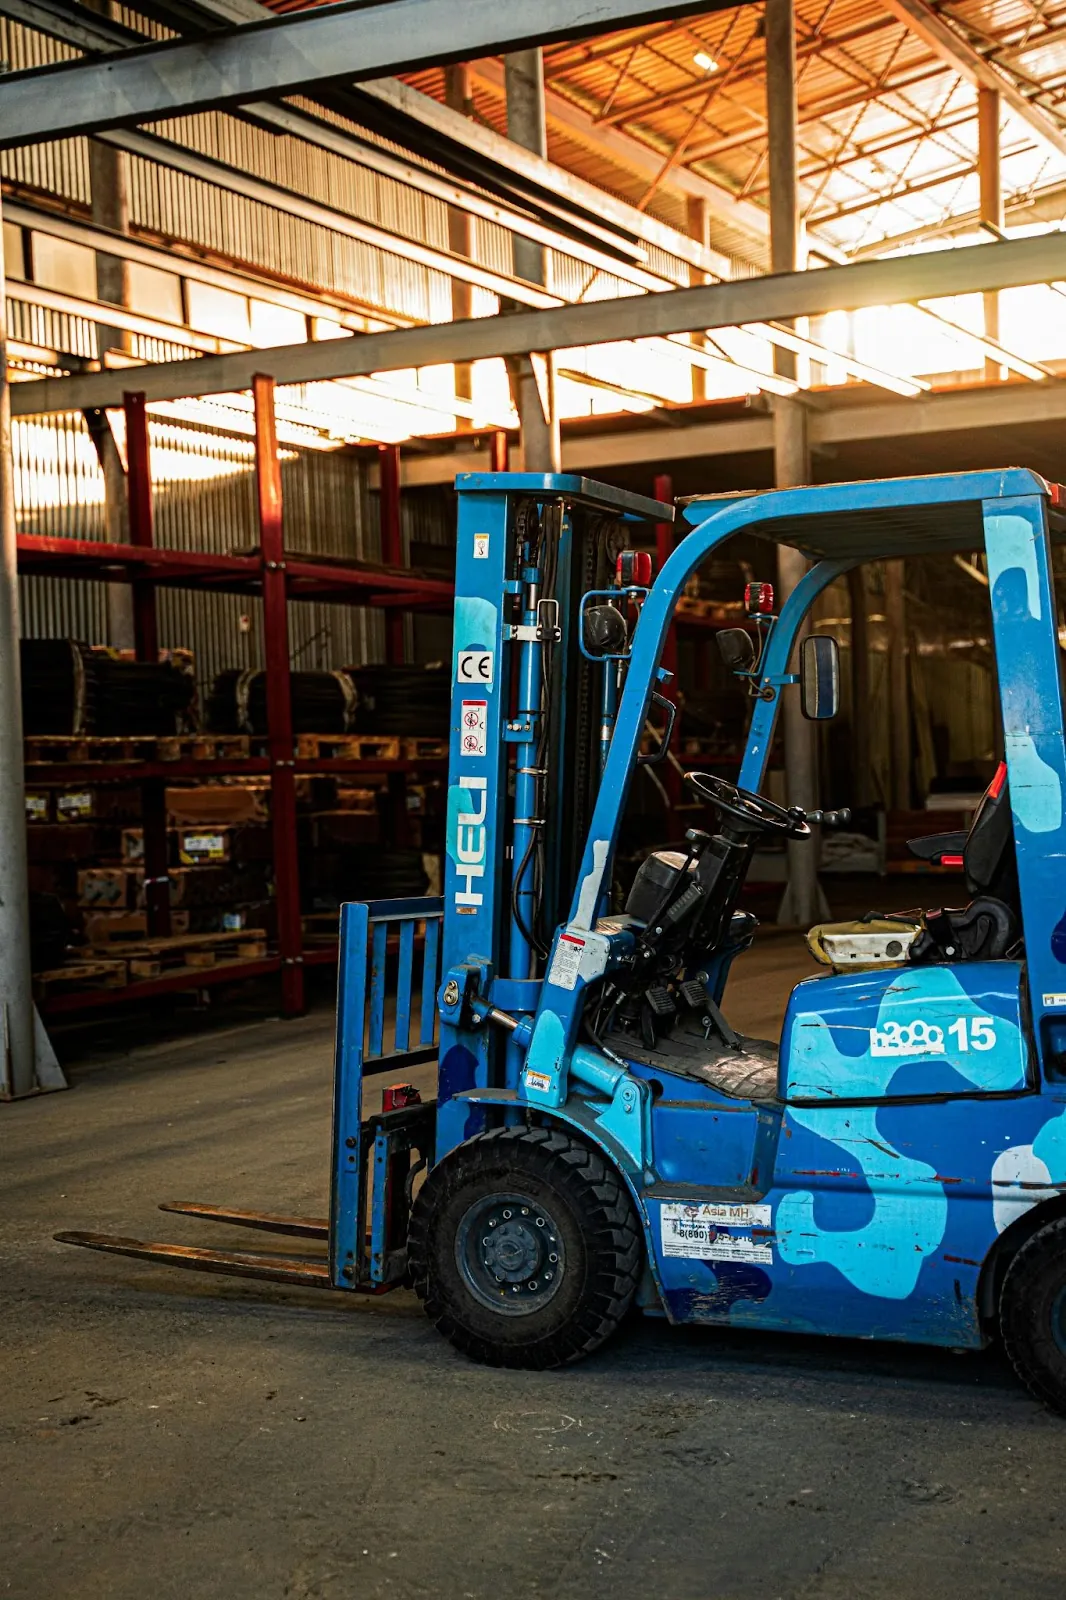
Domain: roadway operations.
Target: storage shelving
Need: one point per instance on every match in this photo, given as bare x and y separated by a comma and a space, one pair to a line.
278, 577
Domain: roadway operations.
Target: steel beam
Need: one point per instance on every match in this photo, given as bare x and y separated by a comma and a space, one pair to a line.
896, 281
545, 175
290, 54
947, 43
993, 407
73, 25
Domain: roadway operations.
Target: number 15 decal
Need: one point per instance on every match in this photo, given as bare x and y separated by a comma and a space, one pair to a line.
974, 1033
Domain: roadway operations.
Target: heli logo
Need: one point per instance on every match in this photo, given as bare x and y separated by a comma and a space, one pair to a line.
471, 844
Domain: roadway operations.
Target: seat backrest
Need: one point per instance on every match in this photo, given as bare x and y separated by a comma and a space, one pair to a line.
988, 856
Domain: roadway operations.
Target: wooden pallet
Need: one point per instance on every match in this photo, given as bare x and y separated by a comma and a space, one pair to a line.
53, 748
346, 747
425, 749
149, 958
79, 975
206, 747
62, 748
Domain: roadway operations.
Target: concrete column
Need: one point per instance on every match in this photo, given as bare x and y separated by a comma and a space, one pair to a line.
457, 96
803, 903
899, 701
17, 1066
988, 168
532, 378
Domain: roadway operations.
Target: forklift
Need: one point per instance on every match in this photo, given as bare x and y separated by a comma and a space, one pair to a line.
601, 1138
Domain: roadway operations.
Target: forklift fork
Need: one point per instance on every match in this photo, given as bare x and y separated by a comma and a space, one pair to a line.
376, 1161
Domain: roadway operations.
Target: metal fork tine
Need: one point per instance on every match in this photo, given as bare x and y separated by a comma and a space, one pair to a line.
264, 1221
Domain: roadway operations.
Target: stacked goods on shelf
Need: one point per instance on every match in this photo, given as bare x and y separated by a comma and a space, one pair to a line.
92, 863
70, 829
69, 688
322, 702
408, 700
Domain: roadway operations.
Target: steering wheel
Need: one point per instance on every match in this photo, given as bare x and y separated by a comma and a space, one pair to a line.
753, 811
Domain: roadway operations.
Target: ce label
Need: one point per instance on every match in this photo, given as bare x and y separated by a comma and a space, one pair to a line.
475, 667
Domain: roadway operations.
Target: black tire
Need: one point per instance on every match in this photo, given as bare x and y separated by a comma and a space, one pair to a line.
1032, 1314
568, 1247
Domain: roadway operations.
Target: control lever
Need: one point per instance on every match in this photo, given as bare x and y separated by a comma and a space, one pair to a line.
831, 819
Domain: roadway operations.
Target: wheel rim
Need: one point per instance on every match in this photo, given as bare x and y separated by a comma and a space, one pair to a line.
510, 1253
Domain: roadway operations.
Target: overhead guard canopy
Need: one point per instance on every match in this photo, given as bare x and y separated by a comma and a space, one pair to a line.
889, 517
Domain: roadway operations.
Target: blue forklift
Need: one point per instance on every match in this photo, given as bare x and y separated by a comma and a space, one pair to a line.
600, 1137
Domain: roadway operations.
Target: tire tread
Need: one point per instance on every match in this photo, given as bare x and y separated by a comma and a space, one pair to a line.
596, 1193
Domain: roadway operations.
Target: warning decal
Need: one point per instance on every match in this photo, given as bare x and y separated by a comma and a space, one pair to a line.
715, 1232
566, 962
474, 727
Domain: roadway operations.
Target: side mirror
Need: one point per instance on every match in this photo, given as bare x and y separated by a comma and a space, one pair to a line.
737, 649
820, 676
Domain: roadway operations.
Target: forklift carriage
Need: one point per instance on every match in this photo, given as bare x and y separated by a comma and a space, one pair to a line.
599, 1135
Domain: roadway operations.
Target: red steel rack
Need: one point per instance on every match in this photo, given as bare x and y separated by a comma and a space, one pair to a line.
278, 578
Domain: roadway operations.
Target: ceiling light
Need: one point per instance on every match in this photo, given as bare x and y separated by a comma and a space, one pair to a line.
705, 62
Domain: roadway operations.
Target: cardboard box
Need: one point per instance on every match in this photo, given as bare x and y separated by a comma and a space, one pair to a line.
104, 887
132, 845
38, 805
245, 842
75, 805
106, 802
219, 804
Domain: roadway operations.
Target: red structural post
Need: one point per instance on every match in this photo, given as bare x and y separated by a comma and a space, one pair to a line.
278, 697
499, 451
139, 498
663, 489
146, 644
391, 542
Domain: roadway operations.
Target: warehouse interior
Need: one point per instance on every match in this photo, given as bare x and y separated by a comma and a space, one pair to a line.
275, 276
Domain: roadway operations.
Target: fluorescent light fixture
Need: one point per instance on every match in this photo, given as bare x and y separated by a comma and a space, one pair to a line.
705, 62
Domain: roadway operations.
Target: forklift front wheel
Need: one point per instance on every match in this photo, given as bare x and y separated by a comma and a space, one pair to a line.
1032, 1314
525, 1248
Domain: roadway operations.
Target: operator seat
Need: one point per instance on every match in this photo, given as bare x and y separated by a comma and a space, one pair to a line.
987, 928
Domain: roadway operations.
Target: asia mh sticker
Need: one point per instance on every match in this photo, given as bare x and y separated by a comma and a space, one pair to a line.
715, 1232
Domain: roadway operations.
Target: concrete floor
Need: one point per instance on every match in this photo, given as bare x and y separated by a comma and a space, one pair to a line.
176, 1437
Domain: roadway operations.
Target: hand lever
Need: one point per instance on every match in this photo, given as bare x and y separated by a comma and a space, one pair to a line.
831, 819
